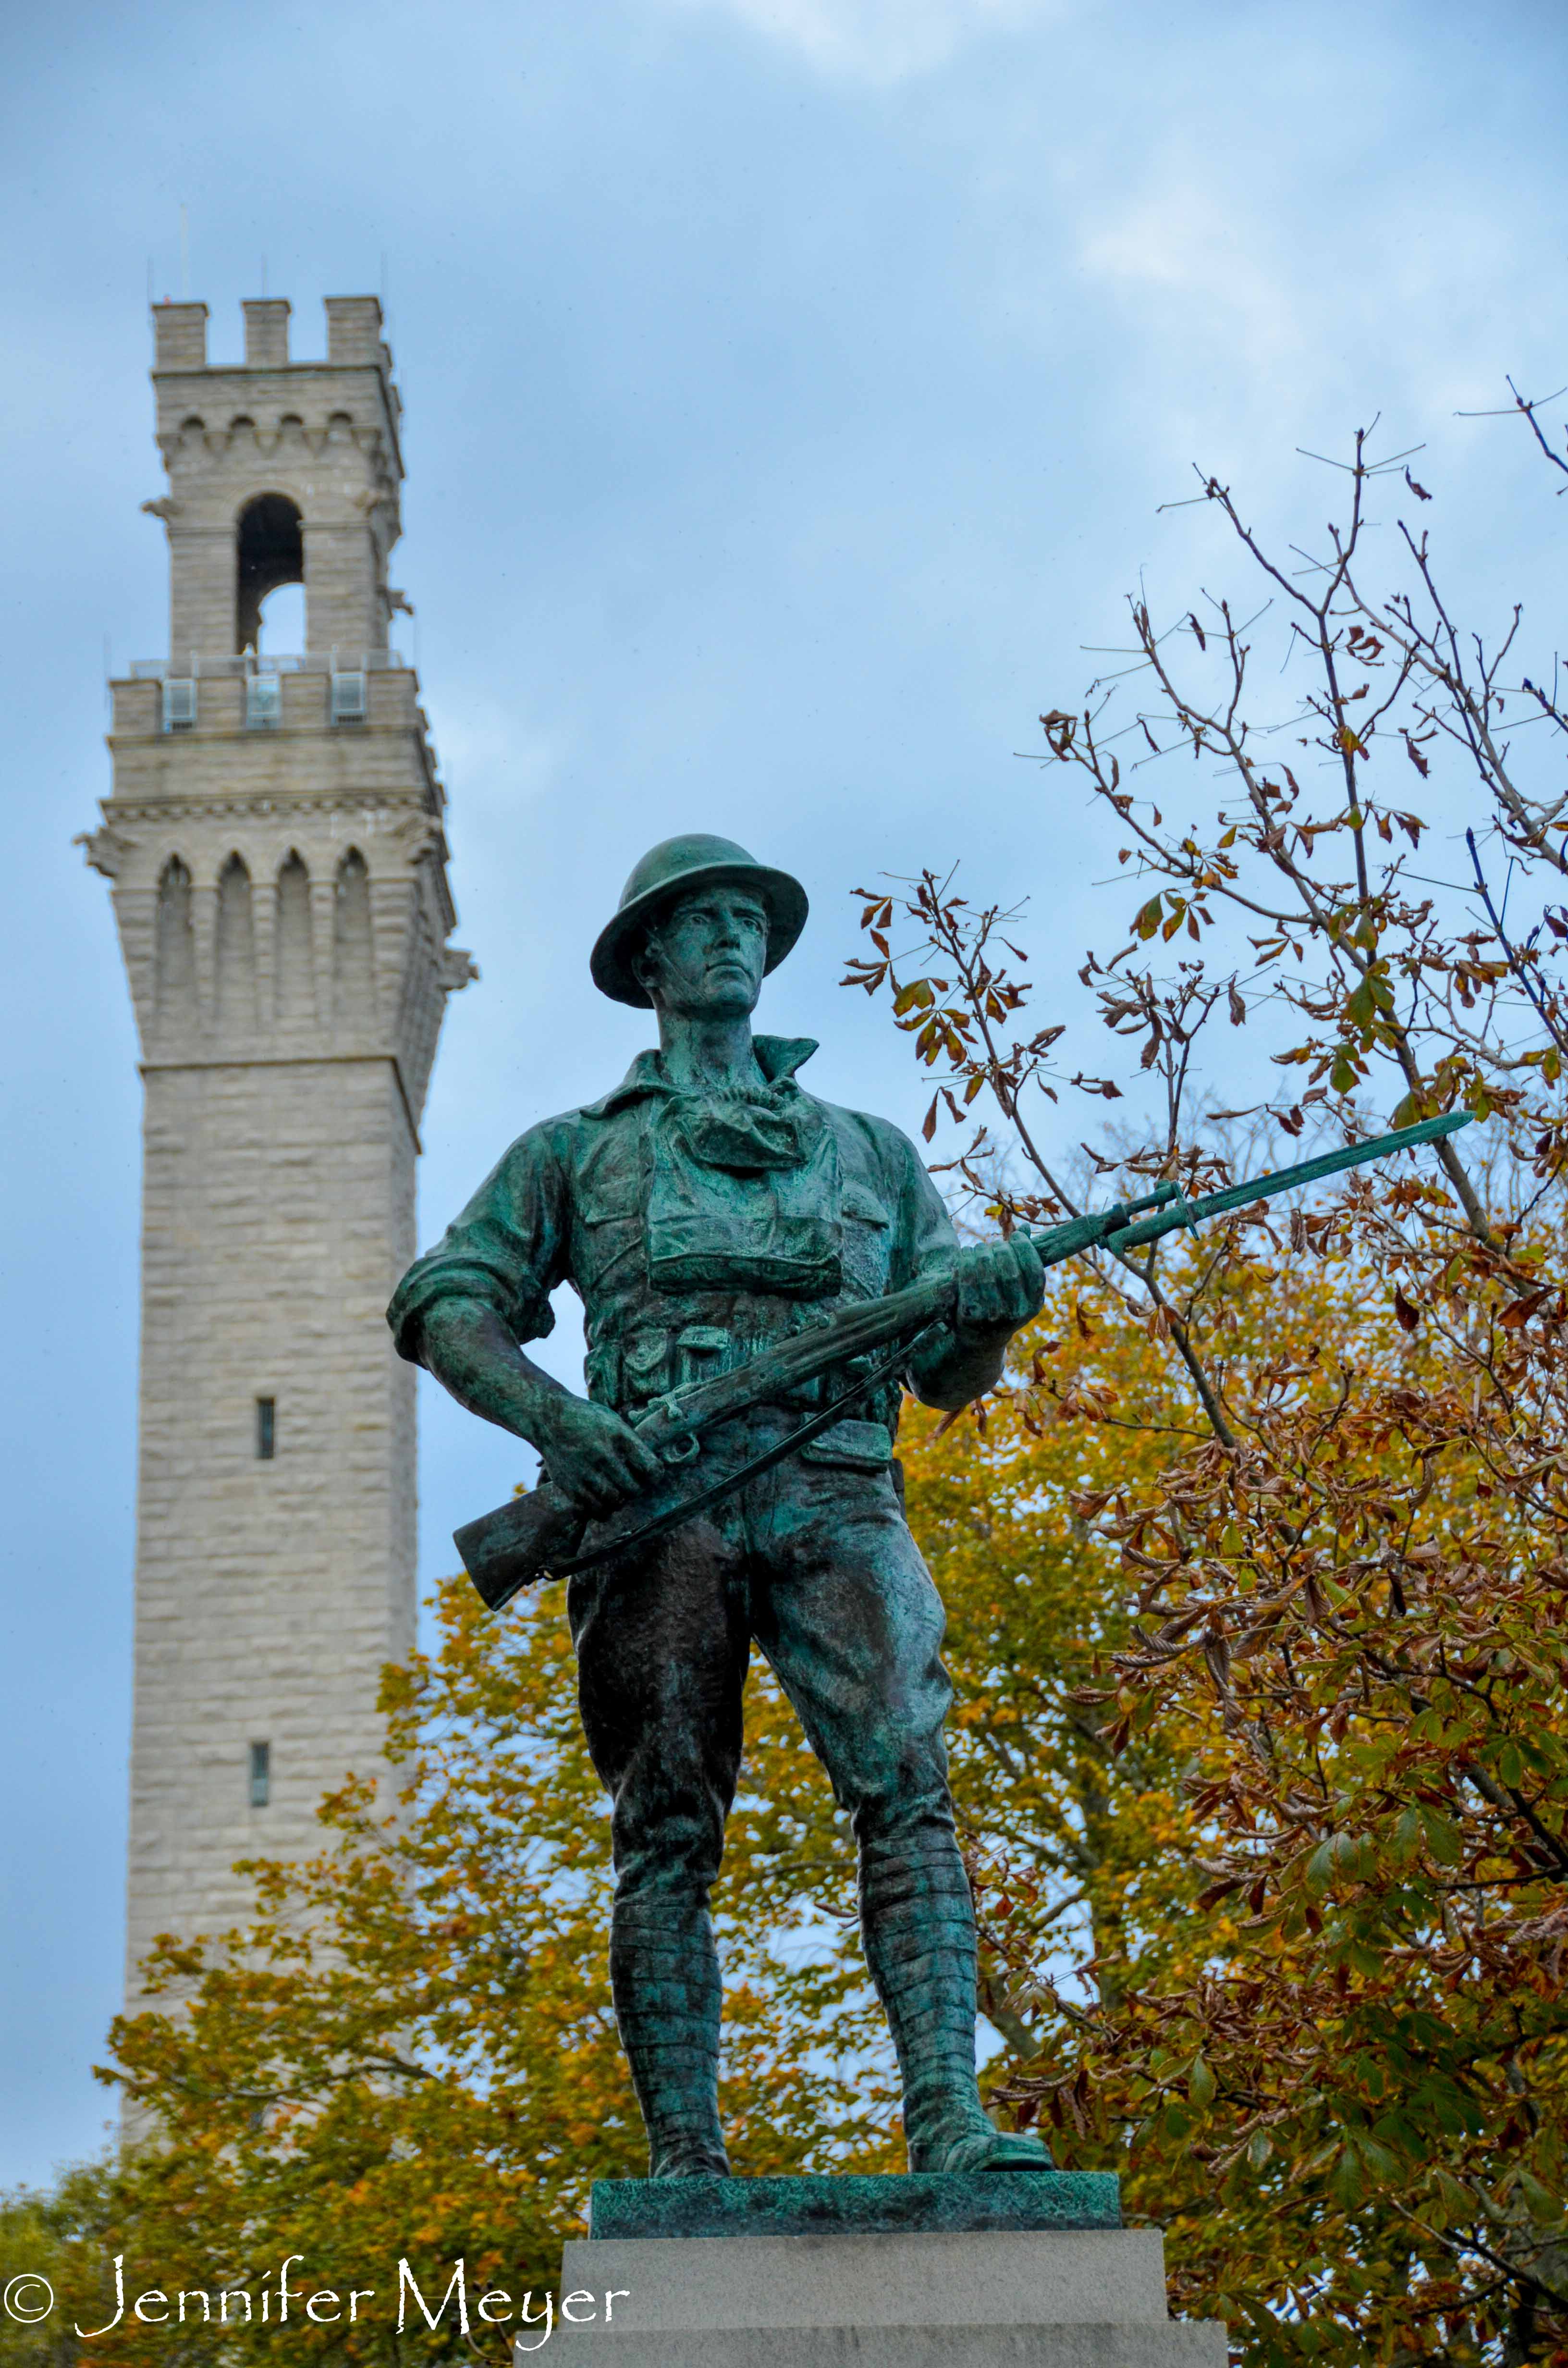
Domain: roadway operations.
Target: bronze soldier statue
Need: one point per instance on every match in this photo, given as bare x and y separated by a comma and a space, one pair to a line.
705, 1210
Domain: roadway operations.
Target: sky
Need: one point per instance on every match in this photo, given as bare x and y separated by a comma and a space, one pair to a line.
792, 390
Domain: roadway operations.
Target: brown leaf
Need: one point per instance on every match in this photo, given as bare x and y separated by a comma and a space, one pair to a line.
1524, 1308
1409, 1317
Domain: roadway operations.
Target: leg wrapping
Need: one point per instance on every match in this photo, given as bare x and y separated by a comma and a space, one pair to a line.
918, 1923
665, 1979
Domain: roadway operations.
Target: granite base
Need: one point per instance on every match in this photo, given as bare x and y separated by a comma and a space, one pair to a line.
987, 2273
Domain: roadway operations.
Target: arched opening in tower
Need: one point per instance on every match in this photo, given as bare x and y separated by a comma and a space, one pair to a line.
353, 956
174, 983
292, 943
282, 626
236, 951
270, 550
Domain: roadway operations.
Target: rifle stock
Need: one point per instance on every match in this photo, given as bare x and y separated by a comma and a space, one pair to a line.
508, 1549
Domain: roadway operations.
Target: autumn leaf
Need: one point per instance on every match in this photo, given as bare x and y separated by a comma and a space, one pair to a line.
1421, 763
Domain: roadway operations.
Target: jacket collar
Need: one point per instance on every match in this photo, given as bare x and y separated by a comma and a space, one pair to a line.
778, 1058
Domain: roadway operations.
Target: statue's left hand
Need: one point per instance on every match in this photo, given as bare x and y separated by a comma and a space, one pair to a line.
1001, 1285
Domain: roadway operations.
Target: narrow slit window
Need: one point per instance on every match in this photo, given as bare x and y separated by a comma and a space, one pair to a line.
260, 1774
265, 1429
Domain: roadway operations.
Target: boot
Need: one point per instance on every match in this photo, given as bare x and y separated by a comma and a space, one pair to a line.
917, 1920
663, 1973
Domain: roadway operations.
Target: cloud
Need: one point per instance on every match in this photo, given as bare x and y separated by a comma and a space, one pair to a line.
1189, 258
1253, 312
880, 41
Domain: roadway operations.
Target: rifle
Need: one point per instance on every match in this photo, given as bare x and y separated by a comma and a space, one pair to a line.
542, 1535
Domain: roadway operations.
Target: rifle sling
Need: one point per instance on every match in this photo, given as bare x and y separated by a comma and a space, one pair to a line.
1113, 1237
800, 1359
823, 1419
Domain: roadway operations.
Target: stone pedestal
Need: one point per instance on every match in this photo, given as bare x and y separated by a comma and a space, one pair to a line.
1030, 2268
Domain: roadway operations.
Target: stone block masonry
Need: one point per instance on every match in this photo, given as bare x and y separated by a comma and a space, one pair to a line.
1047, 2299
277, 1215
274, 838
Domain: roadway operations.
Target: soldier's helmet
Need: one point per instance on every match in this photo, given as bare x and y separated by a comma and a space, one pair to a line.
673, 869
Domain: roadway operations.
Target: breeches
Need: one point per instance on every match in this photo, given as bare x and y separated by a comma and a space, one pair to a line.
815, 1561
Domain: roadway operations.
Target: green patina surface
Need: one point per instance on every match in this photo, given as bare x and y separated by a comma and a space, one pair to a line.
707, 1209
709, 1213
922, 2203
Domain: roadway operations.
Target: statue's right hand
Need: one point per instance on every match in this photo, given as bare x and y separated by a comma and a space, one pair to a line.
593, 1456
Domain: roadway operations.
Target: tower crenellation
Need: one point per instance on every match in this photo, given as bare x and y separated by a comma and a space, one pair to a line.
298, 460
274, 840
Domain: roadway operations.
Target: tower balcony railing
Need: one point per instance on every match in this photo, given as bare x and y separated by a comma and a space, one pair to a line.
198, 664
262, 675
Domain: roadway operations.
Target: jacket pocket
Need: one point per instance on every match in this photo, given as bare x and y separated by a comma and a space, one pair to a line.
868, 1240
852, 1446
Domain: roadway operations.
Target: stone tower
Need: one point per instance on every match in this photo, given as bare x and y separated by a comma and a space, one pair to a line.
274, 840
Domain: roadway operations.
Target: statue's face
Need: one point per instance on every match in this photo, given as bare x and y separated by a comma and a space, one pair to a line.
704, 958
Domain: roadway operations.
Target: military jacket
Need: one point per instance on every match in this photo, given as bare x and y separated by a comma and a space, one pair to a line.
695, 1228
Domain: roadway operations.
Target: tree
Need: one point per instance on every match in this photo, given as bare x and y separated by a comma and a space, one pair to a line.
410, 2052
48, 2250
1341, 2078
1256, 1577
